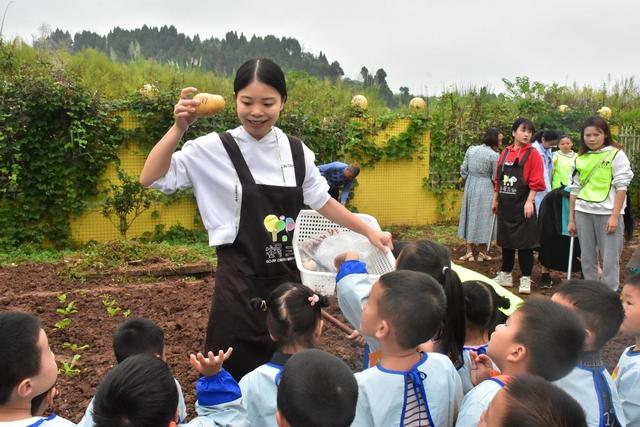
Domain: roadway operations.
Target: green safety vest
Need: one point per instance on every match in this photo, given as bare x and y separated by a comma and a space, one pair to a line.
561, 170
599, 184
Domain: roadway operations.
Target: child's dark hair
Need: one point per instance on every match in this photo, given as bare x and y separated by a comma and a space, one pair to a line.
135, 336
552, 335
633, 281
491, 137
317, 389
291, 319
433, 259
598, 306
481, 304
521, 121
600, 123
263, 70
139, 392
532, 401
547, 135
414, 304
19, 352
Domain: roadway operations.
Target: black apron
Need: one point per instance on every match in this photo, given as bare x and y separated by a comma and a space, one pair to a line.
260, 258
514, 230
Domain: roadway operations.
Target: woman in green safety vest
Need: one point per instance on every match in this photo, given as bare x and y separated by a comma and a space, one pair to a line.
599, 182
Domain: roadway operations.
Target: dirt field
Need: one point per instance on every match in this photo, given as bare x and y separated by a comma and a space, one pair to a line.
179, 305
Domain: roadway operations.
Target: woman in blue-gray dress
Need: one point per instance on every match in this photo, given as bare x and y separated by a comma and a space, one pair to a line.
478, 169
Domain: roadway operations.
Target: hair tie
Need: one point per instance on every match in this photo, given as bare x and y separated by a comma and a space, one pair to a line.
314, 299
263, 305
444, 269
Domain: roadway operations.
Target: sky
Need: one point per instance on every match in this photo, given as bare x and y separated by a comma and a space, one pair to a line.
425, 45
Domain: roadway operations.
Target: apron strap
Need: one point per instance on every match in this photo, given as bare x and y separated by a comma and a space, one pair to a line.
525, 157
237, 159
516, 162
297, 154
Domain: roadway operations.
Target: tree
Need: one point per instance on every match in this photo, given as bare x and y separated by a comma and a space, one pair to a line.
126, 202
405, 96
380, 81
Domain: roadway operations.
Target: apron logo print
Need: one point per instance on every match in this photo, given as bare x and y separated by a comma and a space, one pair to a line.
509, 180
275, 225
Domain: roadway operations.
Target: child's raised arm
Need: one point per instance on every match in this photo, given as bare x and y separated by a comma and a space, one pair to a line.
345, 256
211, 365
159, 159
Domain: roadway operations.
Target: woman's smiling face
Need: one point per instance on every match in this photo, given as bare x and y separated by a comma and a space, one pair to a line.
258, 107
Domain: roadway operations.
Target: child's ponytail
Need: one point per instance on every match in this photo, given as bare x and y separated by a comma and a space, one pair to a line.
454, 328
433, 258
482, 304
293, 313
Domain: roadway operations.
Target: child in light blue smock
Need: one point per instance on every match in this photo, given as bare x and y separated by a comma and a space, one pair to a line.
626, 375
294, 322
540, 338
141, 391
481, 304
589, 382
396, 314
137, 336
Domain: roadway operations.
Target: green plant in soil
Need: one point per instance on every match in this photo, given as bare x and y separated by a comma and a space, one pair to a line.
75, 348
69, 368
68, 309
111, 305
63, 323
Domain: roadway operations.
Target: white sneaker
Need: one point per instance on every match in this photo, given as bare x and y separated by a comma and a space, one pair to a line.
504, 279
525, 285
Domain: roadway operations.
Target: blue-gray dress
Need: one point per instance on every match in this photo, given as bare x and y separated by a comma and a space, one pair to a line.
478, 168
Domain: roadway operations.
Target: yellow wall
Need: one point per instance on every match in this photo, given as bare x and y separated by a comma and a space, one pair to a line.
391, 191
92, 225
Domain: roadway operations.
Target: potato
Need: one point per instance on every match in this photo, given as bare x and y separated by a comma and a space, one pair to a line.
210, 105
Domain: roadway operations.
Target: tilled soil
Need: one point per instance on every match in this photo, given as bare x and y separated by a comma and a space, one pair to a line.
179, 305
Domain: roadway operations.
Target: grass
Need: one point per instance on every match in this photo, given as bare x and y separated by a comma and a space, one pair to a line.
444, 233
31, 253
178, 250
111, 255
176, 246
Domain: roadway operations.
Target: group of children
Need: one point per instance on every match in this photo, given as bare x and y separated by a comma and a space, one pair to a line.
433, 368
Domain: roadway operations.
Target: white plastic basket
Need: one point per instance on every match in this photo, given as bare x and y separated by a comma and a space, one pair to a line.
310, 223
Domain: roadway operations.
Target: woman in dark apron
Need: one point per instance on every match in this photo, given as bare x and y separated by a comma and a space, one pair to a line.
519, 176
250, 184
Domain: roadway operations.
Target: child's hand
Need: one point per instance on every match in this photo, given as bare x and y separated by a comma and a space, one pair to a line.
184, 112
346, 256
481, 367
356, 338
51, 395
210, 365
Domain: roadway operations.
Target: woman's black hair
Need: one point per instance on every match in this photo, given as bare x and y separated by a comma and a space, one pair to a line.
433, 258
491, 137
291, 319
528, 124
600, 123
263, 70
547, 135
482, 303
